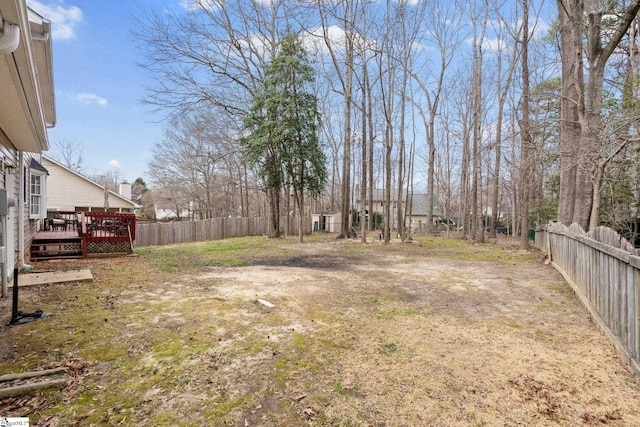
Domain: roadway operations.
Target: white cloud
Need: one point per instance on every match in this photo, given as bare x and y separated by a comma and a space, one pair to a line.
64, 19
91, 98
114, 163
494, 44
490, 44
193, 5
336, 36
315, 41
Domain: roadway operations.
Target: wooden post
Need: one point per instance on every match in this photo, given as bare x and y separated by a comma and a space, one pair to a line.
83, 222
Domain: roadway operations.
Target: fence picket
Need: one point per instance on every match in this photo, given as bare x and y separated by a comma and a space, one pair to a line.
160, 234
604, 271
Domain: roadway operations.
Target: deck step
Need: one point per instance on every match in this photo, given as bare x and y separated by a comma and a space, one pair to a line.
55, 256
57, 248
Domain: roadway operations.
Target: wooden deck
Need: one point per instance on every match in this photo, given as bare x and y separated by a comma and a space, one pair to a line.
53, 235
56, 245
88, 233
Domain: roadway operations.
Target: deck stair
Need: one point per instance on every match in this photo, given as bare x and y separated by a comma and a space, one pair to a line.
56, 245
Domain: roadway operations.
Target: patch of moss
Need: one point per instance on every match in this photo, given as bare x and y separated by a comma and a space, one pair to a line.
231, 252
167, 345
103, 351
514, 325
440, 241
388, 348
222, 406
166, 419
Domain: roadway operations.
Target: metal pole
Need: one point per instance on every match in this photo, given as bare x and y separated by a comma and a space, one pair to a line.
3, 266
14, 307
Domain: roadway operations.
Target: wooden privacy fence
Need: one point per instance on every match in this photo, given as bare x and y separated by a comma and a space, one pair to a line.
157, 234
604, 271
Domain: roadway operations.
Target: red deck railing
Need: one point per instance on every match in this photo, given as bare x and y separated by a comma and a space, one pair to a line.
71, 234
106, 227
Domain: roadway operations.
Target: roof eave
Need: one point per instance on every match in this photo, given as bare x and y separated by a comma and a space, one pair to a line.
31, 70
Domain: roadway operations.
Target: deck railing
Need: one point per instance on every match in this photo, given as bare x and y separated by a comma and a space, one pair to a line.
104, 232
61, 220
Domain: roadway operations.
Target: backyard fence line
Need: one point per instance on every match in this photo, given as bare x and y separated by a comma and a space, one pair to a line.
170, 233
604, 271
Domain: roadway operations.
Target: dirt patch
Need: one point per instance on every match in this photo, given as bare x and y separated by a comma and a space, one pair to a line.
420, 334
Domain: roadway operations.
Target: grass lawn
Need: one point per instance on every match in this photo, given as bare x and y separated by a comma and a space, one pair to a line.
434, 332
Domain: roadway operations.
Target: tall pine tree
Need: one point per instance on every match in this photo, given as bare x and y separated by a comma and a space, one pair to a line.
283, 131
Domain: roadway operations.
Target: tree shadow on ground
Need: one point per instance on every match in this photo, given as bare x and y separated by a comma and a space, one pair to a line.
321, 262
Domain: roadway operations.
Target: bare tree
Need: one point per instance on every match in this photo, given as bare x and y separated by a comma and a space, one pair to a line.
444, 23
108, 179
346, 13
196, 149
503, 86
205, 59
584, 34
70, 154
480, 26
525, 131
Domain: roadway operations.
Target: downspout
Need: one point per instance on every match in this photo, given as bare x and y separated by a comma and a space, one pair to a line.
10, 38
21, 202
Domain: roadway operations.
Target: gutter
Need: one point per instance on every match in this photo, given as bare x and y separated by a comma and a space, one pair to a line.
10, 38
21, 219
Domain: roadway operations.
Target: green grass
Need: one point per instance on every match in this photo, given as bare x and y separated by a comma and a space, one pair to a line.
388, 348
231, 252
440, 241
112, 324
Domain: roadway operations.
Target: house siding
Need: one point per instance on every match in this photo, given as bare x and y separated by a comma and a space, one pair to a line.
31, 226
27, 109
67, 191
8, 157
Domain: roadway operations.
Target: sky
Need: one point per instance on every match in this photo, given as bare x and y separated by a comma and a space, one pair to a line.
98, 85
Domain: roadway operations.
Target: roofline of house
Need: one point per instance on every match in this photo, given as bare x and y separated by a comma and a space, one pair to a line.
41, 33
49, 159
32, 65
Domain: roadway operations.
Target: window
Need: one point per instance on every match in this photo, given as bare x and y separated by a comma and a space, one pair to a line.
36, 207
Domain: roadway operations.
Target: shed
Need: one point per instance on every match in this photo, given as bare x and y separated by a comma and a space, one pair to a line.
328, 222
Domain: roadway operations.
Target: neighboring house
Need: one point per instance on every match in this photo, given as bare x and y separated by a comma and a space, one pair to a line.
27, 110
163, 213
330, 222
70, 191
418, 209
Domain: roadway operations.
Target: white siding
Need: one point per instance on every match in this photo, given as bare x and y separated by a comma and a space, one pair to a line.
8, 158
66, 191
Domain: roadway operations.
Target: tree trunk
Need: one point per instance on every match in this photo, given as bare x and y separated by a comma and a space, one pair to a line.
300, 203
572, 86
477, 228
274, 208
464, 183
371, 140
401, 157
581, 29
363, 169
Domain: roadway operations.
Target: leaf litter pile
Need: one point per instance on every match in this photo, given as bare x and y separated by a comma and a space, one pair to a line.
434, 332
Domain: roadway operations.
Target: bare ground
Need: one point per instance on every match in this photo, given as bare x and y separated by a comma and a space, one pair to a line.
408, 334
